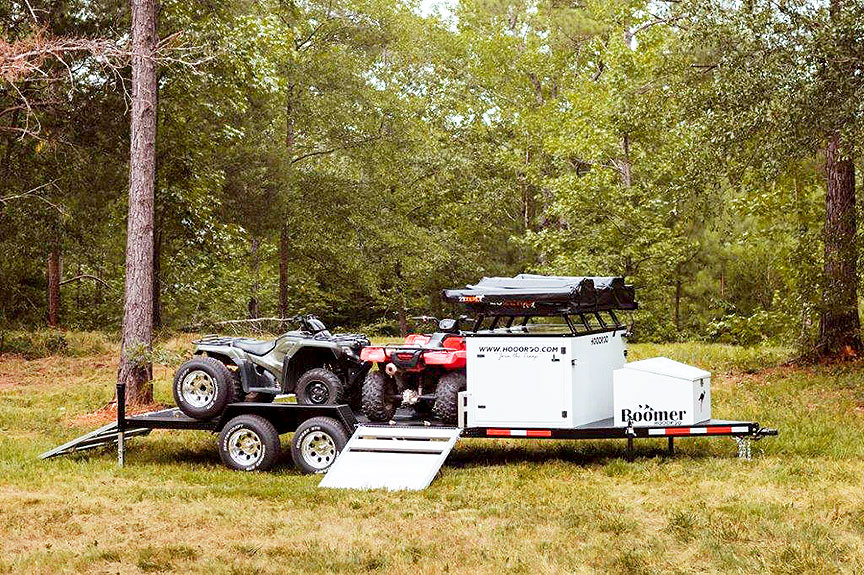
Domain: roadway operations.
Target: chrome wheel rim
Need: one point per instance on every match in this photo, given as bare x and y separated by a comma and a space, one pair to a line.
245, 447
318, 450
317, 393
198, 388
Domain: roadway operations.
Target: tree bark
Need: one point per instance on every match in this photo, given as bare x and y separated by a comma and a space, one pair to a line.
252, 304
54, 286
283, 270
401, 303
284, 238
157, 279
839, 323
135, 368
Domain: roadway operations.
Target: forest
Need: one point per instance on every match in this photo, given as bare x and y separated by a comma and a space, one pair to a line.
351, 158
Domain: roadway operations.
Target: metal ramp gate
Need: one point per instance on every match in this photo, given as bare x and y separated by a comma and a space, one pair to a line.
393, 458
105, 435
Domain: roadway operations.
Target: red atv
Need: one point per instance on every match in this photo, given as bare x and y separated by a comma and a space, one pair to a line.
426, 369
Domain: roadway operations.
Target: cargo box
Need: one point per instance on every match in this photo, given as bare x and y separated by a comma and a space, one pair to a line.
660, 392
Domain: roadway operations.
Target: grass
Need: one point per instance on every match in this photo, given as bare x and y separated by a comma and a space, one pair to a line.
498, 506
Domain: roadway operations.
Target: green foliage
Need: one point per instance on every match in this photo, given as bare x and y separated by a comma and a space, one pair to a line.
383, 155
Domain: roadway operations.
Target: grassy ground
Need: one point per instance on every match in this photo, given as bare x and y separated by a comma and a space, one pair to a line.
520, 506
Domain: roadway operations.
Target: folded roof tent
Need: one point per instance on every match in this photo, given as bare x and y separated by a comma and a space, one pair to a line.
529, 294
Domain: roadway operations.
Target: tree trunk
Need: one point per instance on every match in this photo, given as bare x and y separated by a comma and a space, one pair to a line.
252, 304
135, 367
283, 270
157, 279
839, 324
54, 286
678, 300
284, 239
401, 304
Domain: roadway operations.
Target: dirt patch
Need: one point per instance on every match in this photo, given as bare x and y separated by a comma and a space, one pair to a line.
108, 414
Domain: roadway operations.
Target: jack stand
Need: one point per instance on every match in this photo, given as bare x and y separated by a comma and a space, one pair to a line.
744, 451
631, 433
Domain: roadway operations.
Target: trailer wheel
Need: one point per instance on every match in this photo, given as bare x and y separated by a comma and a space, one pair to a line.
446, 406
203, 386
249, 443
319, 386
378, 397
316, 443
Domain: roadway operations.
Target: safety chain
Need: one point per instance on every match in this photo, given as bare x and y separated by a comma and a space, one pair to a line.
744, 451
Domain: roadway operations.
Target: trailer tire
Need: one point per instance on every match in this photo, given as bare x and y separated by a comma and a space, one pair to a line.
249, 443
316, 444
377, 401
318, 386
446, 406
204, 386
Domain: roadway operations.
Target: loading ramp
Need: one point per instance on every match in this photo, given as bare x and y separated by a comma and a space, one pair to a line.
391, 457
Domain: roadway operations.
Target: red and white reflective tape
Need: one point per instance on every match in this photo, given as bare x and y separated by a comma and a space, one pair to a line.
714, 430
518, 433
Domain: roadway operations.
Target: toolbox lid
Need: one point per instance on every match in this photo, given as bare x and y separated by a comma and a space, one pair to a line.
668, 367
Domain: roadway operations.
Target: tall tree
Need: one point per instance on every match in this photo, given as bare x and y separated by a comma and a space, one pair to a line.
839, 322
135, 368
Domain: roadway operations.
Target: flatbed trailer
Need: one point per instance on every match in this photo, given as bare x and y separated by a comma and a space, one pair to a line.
405, 453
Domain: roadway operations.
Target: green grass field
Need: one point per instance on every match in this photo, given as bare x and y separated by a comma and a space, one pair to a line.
498, 506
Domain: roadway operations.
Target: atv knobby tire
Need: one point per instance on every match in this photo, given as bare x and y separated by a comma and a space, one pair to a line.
249, 443
377, 400
446, 406
319, 386
204, 386
317, 443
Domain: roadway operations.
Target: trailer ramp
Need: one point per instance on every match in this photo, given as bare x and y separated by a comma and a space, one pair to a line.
393, 458
105, 435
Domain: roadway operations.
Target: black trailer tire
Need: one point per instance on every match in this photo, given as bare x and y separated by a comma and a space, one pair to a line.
377, 398
316, 444
446, 406
204, 386
249, 443
319, 386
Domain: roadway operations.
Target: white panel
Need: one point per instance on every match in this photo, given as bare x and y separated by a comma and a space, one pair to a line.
669, 368
519, 381
596, 357
389, 458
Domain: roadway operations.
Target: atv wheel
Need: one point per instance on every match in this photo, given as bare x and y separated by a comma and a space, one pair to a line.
318, 386
378, 397
203, 386
446, 407
249, 443
316, 443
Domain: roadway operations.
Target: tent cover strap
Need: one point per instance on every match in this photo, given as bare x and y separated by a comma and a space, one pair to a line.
529, 294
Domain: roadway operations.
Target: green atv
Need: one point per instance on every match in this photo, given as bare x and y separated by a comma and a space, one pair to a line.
318, 367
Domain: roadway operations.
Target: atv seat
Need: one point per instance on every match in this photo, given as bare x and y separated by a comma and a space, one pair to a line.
255, 346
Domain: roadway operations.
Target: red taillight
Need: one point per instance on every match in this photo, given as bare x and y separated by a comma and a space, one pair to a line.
375, 354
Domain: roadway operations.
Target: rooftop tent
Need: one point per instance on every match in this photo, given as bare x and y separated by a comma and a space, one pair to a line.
528, 294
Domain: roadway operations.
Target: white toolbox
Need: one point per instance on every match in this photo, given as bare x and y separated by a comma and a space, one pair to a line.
541, 381
660, 392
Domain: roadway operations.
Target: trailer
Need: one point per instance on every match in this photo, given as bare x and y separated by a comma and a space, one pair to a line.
527, 378
248, 433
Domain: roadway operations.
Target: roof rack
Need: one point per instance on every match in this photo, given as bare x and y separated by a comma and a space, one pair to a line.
537, 295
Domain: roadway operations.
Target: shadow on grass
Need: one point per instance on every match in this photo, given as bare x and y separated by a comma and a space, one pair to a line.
482, 453
200, 450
